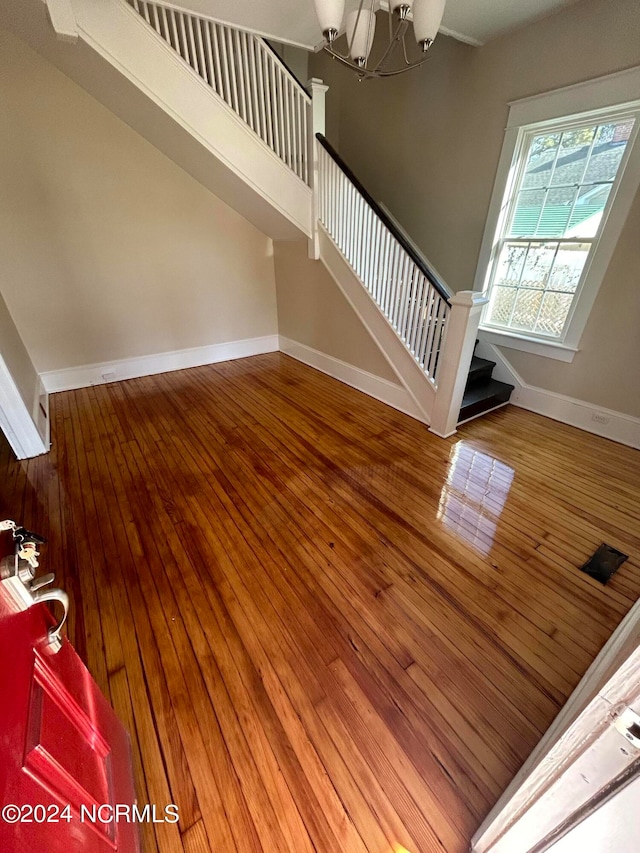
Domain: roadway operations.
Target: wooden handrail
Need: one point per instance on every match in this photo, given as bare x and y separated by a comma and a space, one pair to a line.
415, 256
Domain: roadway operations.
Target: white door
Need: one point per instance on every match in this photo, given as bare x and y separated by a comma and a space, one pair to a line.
586, 765
612, 828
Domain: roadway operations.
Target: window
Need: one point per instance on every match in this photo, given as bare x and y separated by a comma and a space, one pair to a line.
554, 215
564, 187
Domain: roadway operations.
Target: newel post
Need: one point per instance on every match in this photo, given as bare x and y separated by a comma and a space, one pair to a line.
317, 91
455, 359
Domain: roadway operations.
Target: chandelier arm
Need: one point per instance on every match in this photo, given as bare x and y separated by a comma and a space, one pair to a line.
401, 70
367, 73
343, 60
397, 36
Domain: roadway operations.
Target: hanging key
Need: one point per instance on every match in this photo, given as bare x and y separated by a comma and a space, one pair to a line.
23, 535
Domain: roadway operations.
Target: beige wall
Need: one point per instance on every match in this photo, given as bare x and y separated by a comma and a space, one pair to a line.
313, 311
427, 144
109, 250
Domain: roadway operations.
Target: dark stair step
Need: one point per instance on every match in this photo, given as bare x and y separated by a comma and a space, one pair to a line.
482, 397
480, 371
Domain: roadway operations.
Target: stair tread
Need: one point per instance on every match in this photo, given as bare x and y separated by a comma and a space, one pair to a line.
491, 388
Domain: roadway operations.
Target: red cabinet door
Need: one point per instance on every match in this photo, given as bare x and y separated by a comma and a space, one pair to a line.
66, 780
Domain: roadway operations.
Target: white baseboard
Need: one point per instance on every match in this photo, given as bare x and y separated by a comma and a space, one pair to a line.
147, 365
617, 426
381, 389
625, 429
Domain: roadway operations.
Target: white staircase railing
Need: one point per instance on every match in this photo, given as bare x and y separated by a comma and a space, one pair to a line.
438, 328
415, 303
246, 74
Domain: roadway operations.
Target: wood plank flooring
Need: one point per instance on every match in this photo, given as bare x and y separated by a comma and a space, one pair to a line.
326, 629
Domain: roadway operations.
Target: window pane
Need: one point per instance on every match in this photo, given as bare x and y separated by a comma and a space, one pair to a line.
587, 213
611, 142
568, 266
540, 160
556, 212
527, 213
525, 313
538, 264
510, 264
575, 148
502, 302
555, 307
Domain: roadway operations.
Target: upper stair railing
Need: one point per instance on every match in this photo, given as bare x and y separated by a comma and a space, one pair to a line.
246, 74
410, 295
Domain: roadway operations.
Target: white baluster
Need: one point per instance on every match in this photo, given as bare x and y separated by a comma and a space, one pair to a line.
165, 25
395, 283
231, 68
290, 124
427, 327
208, 46
254, 89
221, 79
405, 277
415, 312
174, 31
184, 51
192, 45
200, 54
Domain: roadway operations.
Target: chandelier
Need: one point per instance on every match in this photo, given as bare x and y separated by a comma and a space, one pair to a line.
360, 25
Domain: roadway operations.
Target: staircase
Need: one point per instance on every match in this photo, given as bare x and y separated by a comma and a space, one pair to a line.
221, 104
482, 393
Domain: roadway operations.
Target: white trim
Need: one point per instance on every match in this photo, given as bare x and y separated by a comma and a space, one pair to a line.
147, 365
512, 340
40, 413
613, 93
374, 386
446, 31
15, 419
623, 428
599, 93
63, 20
454, 34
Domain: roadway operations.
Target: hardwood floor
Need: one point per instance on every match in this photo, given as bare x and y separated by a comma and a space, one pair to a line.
326, 629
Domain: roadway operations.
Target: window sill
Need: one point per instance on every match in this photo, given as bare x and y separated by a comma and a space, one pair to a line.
512, 340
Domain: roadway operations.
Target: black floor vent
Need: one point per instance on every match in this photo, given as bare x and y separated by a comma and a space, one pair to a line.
604, 563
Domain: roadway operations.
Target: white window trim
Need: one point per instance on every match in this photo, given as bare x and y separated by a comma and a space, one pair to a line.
615, 92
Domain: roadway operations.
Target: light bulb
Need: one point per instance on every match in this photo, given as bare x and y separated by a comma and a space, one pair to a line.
330, 14
361, 26
427, 17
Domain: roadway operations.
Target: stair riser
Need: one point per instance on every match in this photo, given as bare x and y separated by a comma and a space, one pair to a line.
477, 377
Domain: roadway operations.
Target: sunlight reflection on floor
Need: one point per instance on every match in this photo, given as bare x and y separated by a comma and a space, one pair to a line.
474, 495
